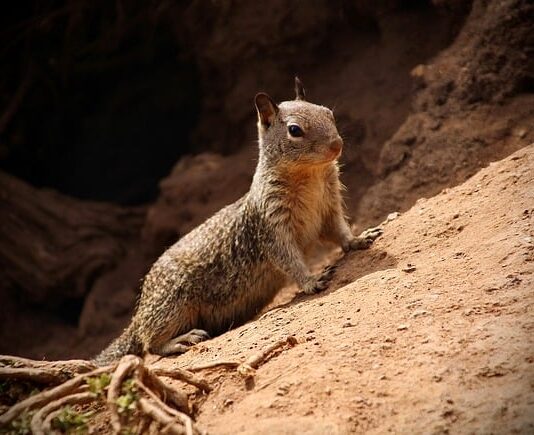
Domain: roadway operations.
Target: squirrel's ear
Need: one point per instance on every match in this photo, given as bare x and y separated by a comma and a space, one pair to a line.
266, 107
300, 93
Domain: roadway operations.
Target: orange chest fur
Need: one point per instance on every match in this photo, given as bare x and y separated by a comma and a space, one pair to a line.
308, 203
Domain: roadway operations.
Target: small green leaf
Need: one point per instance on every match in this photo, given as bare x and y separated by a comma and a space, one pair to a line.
71, 421
97, 384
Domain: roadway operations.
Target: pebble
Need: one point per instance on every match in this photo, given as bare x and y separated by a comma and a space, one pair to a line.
402, 327
409, 268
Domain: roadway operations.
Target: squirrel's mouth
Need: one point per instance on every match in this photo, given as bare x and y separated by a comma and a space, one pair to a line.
320, 158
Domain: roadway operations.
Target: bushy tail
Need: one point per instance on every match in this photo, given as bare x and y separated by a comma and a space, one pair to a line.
127, 343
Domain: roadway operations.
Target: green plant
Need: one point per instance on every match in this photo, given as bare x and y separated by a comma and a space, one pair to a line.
71, 421
97, 384
127, 401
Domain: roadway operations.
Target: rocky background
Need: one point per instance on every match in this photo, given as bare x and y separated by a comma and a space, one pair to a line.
123, 126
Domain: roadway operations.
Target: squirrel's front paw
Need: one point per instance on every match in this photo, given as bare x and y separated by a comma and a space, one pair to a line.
319, 283
364, 240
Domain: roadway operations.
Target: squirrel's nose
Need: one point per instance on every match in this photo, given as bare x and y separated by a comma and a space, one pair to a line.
336, 144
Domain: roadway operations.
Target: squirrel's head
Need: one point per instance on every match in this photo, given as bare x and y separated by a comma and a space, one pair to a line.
297, 131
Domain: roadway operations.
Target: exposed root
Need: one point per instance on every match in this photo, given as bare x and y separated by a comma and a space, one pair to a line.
76, 391
72, 366
38, 428
122, 387
41, 376
214, 365
182, 375
48, 396
184, 418
126, 365
248, 368
169, 393
160, 416
47, 423
254, 361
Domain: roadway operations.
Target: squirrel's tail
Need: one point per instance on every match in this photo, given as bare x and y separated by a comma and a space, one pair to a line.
127, 343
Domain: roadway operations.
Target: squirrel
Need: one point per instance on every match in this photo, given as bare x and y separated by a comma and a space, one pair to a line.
226, 270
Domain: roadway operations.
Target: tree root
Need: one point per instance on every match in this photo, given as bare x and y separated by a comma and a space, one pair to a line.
123, 387
70, 367
186, 420
41, 376
214, 365
126, 365
254, 361
37, 424
48, 396
182, 375
248, 368
170, 423
41, 372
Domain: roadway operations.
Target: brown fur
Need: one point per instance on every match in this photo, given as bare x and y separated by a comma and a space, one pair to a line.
227, 269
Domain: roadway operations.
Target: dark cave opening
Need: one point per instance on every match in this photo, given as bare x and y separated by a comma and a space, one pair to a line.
108, 140
105, 113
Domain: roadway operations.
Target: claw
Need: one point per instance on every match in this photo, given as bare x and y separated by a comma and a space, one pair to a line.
372, 233
200, 333
366, 238
322, 281
194, 336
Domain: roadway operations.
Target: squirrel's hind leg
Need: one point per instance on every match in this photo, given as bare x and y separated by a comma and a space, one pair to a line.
182, 343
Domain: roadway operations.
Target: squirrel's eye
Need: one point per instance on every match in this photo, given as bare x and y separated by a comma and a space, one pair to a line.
295, 130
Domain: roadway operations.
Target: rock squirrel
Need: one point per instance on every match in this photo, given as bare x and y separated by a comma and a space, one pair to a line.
227, 269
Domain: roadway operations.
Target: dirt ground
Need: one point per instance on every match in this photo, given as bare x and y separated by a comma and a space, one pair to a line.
430, 331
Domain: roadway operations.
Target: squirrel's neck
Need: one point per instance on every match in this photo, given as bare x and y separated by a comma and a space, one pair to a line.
274, 176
